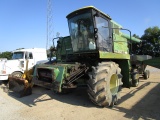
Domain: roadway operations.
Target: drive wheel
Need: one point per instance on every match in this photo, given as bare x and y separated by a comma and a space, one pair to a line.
105, 84
135, 78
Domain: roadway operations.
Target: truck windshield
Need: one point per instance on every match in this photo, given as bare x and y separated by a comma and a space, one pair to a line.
82, 32
18, 55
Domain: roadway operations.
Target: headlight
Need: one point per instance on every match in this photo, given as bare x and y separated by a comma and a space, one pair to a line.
3, 71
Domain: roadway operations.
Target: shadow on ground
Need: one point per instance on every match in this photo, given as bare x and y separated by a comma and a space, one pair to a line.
78, 97
147, 108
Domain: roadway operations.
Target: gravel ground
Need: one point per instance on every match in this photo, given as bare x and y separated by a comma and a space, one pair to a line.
142, 102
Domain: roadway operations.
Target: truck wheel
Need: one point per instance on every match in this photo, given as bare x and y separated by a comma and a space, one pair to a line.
105, 84
5, 82
135, 78
146, 74
17, 74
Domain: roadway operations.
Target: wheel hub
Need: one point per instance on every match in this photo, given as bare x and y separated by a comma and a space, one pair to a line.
114, 84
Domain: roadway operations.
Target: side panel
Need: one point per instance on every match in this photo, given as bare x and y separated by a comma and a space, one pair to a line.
57, 85
155, 62
120, 44
107, 55
125, 70
50, 76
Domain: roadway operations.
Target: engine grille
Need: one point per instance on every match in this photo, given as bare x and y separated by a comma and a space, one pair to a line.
45, 74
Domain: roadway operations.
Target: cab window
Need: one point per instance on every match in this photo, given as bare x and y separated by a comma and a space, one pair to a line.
30, 56
103, 31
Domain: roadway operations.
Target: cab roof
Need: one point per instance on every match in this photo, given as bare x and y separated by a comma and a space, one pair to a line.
88, 7
30, 50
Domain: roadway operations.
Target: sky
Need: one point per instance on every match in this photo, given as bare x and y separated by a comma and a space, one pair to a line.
23, 23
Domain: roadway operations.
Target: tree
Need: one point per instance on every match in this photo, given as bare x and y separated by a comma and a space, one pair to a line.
135, 46
152, 35
51, 52
7, 55
151, 44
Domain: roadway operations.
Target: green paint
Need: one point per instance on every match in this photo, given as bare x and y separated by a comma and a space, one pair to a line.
60, 70
125, 71
56, 73
132, 38
120, 44
155, 62
60, 76
107, 55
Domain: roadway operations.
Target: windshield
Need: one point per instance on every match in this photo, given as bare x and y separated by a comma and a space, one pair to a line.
82, 32
18, 55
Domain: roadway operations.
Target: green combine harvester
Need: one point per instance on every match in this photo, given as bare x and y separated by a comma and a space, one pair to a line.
96, 54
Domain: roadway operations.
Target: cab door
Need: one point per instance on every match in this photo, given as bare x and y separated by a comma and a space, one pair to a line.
104, 39
30, 60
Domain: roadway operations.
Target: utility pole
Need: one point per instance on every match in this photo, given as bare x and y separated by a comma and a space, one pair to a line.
50, 31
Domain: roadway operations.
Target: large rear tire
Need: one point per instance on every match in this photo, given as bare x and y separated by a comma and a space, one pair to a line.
105, 84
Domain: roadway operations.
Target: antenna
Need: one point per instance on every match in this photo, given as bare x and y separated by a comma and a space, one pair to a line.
50, 31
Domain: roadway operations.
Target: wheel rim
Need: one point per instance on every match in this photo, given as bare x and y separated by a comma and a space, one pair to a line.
114, 84
17, 75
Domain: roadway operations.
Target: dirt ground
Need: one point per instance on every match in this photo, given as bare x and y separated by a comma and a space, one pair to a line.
142, 102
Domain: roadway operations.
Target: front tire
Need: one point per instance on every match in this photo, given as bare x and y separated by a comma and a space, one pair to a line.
105, 84
17, 74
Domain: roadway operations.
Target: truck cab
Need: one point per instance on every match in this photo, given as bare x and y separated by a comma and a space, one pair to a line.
22, 59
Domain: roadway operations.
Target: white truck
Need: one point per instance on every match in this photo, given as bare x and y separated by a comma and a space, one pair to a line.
22, 59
